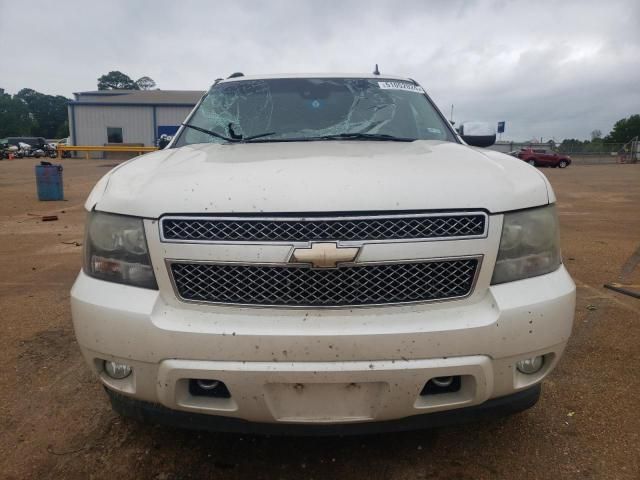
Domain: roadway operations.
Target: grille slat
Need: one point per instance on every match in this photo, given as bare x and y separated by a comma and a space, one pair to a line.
339, 229
355, 285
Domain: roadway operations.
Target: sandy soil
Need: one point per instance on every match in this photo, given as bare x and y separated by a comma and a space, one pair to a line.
55, 420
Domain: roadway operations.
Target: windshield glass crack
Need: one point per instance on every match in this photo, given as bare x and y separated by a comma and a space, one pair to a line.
298, 109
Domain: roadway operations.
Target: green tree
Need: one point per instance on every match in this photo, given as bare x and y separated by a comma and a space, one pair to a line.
145, 83
48, 112
116, 80
624, 130
63, 130
14, 116
572, 145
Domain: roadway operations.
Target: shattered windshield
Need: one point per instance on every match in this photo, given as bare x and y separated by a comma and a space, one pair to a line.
305, 109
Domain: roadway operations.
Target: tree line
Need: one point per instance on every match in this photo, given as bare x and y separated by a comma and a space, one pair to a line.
116, 80
623, 131
31, 113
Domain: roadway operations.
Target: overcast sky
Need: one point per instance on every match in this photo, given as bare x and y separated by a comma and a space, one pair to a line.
555, 68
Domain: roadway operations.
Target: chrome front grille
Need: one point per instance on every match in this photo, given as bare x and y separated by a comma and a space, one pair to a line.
309, 229
301, 286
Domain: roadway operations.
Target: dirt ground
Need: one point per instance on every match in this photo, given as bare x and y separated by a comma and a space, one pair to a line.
55, 420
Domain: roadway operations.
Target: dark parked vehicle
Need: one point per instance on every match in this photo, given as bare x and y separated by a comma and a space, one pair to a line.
544, 158
35, 142
32, 146
7, 150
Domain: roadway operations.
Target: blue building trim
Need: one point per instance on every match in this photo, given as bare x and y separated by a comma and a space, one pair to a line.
125, 104
155, 127
74, 139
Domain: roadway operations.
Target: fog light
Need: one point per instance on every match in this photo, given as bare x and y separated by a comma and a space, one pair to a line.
117, 370
530, 365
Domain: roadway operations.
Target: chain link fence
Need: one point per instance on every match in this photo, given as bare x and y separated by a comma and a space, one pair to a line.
592, 148
588, 152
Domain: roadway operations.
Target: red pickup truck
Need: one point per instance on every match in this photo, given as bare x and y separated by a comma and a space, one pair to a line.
544, 158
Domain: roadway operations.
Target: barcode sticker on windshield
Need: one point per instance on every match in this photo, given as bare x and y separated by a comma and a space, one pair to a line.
409, 87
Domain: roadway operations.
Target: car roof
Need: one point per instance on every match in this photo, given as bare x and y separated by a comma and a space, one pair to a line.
316, 75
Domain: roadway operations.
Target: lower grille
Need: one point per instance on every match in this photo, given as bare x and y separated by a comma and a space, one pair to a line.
301, 286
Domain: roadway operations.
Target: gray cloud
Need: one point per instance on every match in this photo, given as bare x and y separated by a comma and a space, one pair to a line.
549, 68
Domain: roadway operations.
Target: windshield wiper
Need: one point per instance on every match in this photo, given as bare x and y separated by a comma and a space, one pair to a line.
209, 132
260, 135
362, 136
235, 139
337, 136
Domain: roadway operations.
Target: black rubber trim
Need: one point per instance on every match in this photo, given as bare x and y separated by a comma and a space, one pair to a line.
155, 413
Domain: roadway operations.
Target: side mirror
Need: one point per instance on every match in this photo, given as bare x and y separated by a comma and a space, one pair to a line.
478, 134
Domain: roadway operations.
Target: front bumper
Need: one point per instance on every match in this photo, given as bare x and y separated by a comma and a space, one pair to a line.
320, 367
157, 414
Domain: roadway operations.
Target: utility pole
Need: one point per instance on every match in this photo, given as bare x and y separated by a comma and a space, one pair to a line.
451, 115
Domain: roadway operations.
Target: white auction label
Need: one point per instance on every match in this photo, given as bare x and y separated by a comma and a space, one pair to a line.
409, 87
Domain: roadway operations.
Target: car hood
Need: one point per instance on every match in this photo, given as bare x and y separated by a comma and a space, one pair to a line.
325, 176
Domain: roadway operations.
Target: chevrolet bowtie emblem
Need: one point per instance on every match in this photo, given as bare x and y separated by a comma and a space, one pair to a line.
324, 255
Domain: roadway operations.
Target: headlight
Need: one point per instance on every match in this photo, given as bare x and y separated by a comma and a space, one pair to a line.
530, 245
116, 250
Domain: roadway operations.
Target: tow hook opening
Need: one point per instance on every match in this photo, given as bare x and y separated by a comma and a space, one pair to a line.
201, 387
438, 385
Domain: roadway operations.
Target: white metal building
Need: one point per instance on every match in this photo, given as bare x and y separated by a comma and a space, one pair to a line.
128, 117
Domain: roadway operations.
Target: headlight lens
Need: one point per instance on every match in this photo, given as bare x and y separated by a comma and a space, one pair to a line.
530, 245
116, 250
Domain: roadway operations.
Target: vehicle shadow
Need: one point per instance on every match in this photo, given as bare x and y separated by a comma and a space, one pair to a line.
454, 452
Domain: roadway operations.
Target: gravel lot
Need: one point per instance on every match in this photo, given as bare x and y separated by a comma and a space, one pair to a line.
55, 421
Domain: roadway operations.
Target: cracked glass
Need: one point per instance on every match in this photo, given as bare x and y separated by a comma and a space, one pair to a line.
299, 109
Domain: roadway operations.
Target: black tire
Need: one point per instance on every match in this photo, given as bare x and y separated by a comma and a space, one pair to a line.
563, 164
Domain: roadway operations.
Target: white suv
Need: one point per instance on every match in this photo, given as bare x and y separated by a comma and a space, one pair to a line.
321, 253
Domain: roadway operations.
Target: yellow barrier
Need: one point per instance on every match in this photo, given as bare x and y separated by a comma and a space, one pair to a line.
110, 148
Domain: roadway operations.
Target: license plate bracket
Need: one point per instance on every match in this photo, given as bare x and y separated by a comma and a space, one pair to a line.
324, 402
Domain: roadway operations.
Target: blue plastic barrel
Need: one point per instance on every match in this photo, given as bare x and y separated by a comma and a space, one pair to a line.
49, 181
